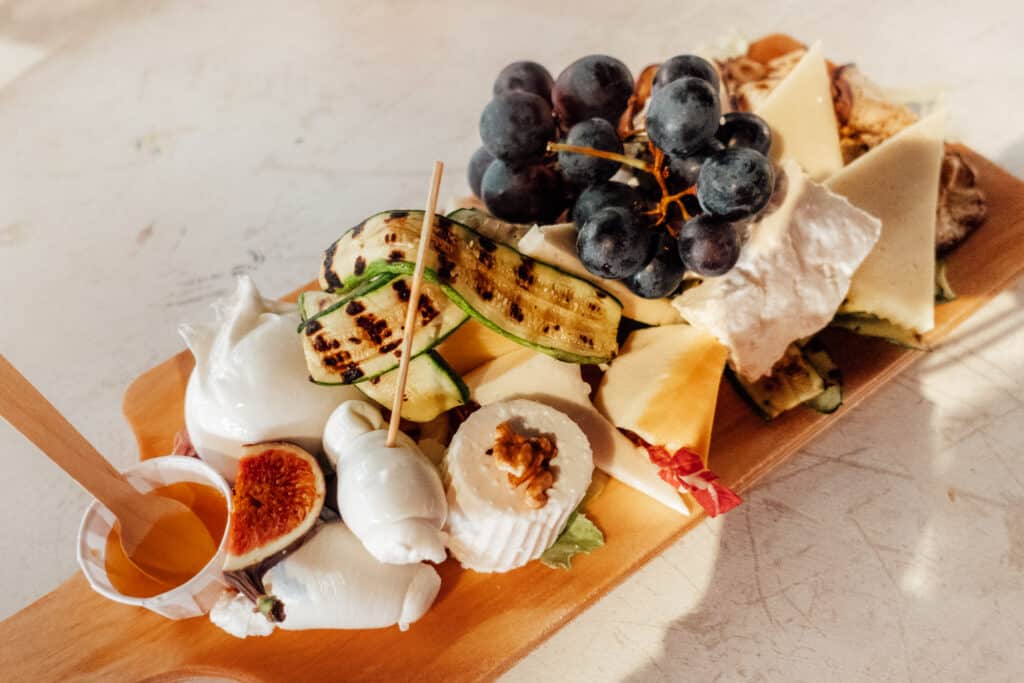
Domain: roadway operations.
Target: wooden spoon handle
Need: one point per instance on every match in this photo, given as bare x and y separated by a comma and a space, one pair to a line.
30, 413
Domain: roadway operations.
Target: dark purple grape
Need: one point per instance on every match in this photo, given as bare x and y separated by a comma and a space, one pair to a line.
516, 127
683, 116
526, 76
683, 172
522, 195
614, 243
583, 169
594, 86
735, 183
601, 195
662, 274
743, 129
681, 66
478, 164
709, 245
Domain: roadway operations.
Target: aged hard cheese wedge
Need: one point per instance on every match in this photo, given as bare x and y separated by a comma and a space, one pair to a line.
534, 376
898, 181
791, 276
492, 526
474, 344
802, 118
556, 244
663, 387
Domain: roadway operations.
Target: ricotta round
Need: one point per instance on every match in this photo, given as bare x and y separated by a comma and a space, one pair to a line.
491, 527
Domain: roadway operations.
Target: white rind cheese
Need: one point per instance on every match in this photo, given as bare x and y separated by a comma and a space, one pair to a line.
556, 244
898, 181
538, 377
390, 498
490, 526
792, 274
800, 112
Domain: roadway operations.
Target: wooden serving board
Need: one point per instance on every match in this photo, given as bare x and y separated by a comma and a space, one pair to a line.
481, 624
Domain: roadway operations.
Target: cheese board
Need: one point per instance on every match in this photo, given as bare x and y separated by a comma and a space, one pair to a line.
480, 624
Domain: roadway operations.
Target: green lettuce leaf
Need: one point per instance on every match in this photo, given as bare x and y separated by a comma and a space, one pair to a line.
579, 536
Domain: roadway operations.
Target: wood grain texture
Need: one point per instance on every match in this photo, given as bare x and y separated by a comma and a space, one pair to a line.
481, 624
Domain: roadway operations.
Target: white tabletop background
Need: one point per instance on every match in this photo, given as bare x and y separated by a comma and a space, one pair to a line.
149, 151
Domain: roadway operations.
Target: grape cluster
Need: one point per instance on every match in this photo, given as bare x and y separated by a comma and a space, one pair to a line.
555, 144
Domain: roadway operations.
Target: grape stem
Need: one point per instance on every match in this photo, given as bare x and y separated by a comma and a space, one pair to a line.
601, 154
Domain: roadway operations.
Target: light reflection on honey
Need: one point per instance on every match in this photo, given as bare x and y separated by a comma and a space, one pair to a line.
207, 503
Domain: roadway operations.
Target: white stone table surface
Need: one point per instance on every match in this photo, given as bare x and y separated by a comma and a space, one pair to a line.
149, 151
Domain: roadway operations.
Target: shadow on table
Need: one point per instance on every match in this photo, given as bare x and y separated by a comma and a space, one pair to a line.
892, 548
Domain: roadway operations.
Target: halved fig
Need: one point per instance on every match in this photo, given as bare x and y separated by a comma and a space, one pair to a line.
279, 493
962, 206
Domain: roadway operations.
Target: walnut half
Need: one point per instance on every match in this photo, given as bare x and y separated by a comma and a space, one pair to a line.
527, 461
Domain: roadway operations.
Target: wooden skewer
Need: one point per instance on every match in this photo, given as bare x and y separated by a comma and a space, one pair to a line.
414, 298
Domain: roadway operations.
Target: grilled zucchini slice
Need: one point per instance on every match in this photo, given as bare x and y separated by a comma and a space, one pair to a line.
793, 381
528, 301
357, 338
871, 326
943, 290
489, 226
829, 400
432, 388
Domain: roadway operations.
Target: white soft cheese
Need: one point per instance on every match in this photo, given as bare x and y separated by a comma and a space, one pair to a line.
491, 528
250, 381
800, 112
792, 274
391, 498
898, 181
332, 582
538, 377
556, 244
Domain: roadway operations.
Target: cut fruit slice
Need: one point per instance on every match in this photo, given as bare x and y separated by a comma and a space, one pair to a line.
556, 244
536, 377
279, 493
663, 387
792, 382
358, 338
526, 300
803, 119
898, 182
474, 344
431, 388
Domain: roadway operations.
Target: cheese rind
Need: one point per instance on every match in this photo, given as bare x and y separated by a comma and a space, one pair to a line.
556, 245
491, 528
791, 276
663, 386
898, 181
537, 377
802, 117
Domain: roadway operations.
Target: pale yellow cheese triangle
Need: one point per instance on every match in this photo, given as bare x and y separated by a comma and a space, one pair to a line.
663, 386
898, 182
803, 121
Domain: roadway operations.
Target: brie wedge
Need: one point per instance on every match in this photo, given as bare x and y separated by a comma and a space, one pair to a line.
391, 498
802, 118
556, 244
332, 582
491, 526
898, 181
791, 275
538, 377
